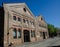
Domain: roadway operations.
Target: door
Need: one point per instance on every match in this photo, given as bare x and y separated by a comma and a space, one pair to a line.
43, 35
26, 36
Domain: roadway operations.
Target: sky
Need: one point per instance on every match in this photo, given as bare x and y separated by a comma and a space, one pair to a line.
49, 9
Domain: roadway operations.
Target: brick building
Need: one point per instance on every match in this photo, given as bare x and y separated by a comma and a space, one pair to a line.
20, 25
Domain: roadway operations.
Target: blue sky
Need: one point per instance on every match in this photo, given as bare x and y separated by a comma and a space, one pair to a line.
49, 9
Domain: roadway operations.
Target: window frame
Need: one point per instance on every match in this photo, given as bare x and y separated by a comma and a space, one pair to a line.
32, 33
14, 18
24, 9
24, 20
15, 31
19, 31
41, 33
19, 19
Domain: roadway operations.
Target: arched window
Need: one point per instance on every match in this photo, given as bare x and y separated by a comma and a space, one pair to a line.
14, 33
19, 33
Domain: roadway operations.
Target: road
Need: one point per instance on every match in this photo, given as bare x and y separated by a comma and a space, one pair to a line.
45, 43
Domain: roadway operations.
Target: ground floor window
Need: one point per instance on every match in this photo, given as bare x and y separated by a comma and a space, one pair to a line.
15, 33
41, 33
46, 33
32, 33
19, 33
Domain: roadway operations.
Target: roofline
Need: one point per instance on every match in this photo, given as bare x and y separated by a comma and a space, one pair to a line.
14, 3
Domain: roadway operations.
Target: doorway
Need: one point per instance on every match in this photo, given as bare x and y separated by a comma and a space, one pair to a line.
26, 36
43, 35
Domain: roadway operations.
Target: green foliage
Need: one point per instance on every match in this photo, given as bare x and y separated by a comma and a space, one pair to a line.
52, 30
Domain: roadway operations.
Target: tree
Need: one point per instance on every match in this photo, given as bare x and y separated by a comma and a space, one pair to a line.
52, 30
55, 31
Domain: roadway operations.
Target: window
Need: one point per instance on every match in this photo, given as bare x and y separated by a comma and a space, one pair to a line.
14, 33
46, 33
30, 22
24, 9
19, 33
24, 20
41, 18
19, 19
41, 33
14, 17
33, 23
39, 25
27, 21
32, 33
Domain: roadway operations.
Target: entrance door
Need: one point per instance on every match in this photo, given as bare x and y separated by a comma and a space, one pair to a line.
43, 35
26, 36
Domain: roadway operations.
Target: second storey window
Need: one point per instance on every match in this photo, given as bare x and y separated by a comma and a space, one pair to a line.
14, 33
24, 20
27, 21
14, 17
30, 22
19, 19
33, 23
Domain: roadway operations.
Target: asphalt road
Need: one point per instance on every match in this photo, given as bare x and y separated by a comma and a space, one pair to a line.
51, 42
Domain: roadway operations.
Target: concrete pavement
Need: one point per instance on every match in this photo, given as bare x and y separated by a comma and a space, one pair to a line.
45, 43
